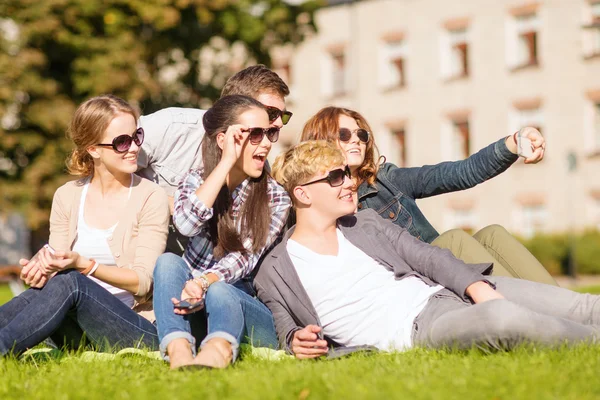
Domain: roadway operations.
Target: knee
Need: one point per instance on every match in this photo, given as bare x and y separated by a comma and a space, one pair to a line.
166, 266
70, 279
491, 232
502, 318
220, 293
219, 290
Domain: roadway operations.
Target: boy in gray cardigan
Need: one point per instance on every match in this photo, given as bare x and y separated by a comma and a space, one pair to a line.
345, 279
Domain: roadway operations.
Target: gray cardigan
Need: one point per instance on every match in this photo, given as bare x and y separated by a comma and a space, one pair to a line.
279, 287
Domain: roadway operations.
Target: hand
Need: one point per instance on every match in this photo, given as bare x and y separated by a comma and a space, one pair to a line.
31, 273
306, 343
537, 141
233, 142
481, 292
190, 290
60, 261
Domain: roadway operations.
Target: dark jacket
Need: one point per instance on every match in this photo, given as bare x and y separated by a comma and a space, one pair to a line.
279, 287
395, 190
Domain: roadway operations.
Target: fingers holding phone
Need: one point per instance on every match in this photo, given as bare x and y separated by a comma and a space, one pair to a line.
193, 296
531, 145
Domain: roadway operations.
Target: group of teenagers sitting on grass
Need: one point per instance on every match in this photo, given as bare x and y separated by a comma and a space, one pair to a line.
326, 254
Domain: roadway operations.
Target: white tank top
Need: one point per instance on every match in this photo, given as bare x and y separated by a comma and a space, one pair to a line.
93, 243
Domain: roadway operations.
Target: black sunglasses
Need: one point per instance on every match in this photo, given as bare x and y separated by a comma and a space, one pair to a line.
122, 143
335, 177
346, 135
257, 134
275, 113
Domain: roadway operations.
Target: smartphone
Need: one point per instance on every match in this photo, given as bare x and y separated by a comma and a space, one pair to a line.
47, 247
524, 147
193, 303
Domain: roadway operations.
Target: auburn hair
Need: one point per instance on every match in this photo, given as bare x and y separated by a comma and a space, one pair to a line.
325, 125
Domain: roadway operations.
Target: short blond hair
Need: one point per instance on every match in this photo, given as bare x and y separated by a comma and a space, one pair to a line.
305, 160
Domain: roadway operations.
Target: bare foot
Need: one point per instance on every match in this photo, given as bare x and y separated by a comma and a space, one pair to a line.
215, 353
180, 353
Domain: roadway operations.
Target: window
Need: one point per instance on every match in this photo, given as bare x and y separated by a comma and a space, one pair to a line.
533, 219
455, 53
591, 140
527, 113
591, 30
335, 80
460, 216
399, 136
456, 137
392, 71
522, 45
283, 68
461, 139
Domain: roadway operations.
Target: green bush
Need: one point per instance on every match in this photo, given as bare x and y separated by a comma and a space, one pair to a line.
552, 250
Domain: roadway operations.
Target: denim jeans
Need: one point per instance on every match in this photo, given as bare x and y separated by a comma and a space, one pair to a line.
67, 308
530, 312
232, 311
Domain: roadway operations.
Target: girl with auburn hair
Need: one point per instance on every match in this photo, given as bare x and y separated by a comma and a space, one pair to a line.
393, 191
106, 231
233, 211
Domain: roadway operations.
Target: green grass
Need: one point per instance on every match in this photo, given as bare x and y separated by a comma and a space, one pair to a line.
418, 374
526, 373
5, 294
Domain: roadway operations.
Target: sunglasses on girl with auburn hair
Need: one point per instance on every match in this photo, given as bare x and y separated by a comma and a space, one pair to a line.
346, 135
122, 143
257, 134
275, 113
335, 177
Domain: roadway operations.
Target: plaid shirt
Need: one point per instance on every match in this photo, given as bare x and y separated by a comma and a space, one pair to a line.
191, 217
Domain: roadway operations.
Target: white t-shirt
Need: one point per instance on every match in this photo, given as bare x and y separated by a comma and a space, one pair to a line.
93, 243
359, 301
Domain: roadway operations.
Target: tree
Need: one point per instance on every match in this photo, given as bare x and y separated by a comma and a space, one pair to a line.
155, 53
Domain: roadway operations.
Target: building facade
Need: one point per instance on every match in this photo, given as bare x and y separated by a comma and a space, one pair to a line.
438, 80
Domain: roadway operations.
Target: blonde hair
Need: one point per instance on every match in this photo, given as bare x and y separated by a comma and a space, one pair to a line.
87, 127
325, 125
305, 160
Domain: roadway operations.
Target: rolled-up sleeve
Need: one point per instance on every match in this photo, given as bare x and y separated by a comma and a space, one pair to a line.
190, 213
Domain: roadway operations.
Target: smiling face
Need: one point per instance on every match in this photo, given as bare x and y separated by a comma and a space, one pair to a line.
354, 149
332, 202
253, 156
122, 124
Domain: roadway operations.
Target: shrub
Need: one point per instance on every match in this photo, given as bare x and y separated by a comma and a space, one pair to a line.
552, 250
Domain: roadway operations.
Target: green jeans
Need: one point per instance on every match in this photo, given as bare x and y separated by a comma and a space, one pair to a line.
494, 244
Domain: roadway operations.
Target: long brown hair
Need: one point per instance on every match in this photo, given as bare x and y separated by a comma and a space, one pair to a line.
255, 214
325, 125
88, 126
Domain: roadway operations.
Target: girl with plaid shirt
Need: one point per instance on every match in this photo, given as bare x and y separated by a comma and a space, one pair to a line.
233, 211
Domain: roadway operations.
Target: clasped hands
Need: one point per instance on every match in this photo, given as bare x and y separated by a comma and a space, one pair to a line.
37, 271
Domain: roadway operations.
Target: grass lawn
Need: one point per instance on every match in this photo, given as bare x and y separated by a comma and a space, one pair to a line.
417, 374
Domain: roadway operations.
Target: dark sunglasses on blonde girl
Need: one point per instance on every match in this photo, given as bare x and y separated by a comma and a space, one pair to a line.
346, 135
122, 143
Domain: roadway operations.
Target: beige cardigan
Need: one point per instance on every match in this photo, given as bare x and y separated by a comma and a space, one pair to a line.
139, 238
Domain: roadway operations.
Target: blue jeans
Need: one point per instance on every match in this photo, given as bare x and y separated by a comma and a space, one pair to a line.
233, 313
67, 308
